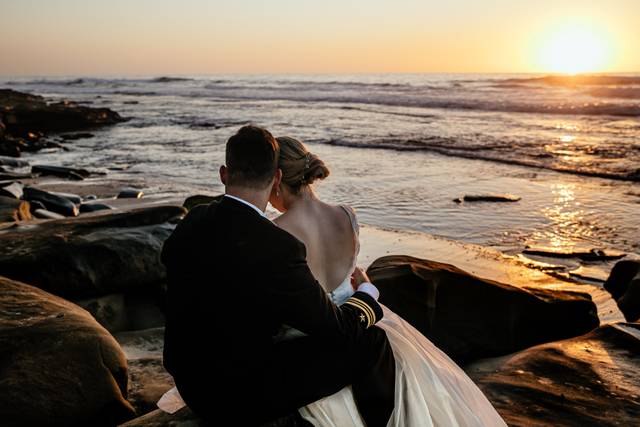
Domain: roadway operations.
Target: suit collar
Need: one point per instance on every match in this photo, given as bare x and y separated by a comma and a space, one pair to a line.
238, 201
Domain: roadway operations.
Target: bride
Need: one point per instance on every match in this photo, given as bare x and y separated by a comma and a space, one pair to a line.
431, 390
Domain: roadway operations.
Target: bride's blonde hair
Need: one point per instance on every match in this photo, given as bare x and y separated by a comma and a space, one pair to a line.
299, 166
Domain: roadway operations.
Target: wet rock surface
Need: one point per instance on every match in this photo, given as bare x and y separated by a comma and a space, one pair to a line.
468, 317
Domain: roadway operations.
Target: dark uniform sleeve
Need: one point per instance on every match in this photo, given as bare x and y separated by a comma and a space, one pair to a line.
305, 305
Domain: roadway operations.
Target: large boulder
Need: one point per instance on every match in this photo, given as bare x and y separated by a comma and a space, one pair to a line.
469, 317
58, 366
585, 381
90, 256
25, 114
623, 284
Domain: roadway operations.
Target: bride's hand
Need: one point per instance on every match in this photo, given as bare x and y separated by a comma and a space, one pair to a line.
358, 277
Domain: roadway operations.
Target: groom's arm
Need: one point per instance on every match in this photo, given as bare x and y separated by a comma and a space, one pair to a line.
305, 305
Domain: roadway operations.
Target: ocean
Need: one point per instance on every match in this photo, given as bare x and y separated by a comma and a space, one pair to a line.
401, 147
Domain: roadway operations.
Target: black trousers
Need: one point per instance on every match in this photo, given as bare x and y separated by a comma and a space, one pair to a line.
304, 370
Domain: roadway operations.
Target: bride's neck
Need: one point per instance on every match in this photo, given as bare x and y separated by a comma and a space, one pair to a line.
306, 195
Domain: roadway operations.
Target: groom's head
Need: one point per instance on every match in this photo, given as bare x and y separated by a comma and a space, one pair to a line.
251, 159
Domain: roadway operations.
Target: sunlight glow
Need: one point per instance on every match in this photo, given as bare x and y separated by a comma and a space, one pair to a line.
576, 47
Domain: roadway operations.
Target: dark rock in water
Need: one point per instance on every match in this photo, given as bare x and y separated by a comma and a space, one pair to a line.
623, 284
621, 275
130, 193
14, 163
91, 197
75, 136
13, 176
45, 214
15, 190
93, 207
13, 210
199, 199
91, 255
73, 198
131, 102
487, 198
592, 255
52, 202
591, 380
468, 317
26, 113
37, 205
59, 366
629, 303
60, 171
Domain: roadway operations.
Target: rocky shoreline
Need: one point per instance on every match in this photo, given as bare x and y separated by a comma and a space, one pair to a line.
81, 307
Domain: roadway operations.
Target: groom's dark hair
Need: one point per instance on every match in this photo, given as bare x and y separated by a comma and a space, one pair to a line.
251, 157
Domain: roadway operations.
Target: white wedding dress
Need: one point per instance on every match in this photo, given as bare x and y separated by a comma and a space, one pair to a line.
431, 390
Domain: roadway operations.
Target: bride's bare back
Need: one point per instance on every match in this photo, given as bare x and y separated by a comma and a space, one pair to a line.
328, 234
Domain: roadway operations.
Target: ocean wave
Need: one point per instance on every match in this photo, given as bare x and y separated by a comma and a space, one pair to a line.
503, 152
573, 80
166, 79
616, 92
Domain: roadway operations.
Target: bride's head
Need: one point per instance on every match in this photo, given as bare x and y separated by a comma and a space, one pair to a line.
300, 169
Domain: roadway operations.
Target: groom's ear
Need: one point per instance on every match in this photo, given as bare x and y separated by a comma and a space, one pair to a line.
224, 172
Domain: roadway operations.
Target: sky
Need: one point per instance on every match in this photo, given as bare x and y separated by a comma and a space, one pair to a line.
193, 37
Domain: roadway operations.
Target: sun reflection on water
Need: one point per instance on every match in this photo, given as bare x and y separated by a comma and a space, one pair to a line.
567, 218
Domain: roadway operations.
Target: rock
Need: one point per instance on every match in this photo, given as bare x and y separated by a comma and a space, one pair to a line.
25, 113
14, 163
621, 275
585, 381
592, 255
14, 176
148, 380
60, 171
45, 214
199, 199
623, 284
130, 193
35, 205
52, 202
12, 210
13, 190
93, 207
75, 136
73, 198
58, 365
487, 198
468, 317
130, 311
91, 255
91, 197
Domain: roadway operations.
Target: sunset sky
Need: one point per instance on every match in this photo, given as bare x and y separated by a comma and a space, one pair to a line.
153, 37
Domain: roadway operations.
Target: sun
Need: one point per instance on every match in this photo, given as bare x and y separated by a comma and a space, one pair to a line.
573, 48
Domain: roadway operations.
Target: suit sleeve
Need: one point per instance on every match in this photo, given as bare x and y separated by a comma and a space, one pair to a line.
305, 305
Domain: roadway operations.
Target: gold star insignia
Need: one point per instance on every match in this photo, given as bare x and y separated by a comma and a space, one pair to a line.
362, 318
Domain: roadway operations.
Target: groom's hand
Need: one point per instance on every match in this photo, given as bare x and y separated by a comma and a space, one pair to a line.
358, 277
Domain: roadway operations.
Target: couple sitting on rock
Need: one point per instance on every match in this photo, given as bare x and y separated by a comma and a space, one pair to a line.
269, 318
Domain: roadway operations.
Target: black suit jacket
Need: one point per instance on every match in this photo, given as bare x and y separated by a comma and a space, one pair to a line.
234, 278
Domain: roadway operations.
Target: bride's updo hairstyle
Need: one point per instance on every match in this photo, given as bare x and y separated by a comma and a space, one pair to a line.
299, 166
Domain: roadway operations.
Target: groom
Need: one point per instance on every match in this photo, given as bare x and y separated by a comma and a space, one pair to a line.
234, 278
